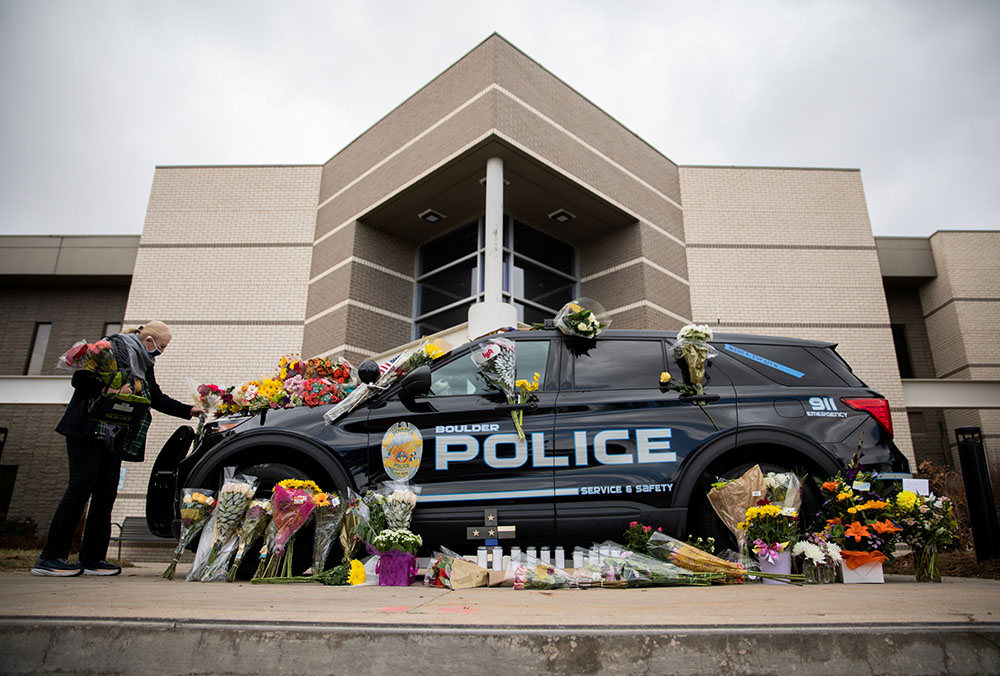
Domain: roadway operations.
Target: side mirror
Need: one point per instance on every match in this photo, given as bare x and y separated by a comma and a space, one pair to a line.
368, 372
416, 383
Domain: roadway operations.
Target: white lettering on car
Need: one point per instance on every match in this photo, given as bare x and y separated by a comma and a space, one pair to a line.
652, 445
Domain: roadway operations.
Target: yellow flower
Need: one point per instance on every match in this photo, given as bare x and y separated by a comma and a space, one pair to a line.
321, 499
433, 351
298, 484
906, 500
852, 510
664, 378
843, 496
357, 575
522, 384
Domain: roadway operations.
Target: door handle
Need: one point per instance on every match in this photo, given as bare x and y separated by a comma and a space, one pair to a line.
699, 398
528, 406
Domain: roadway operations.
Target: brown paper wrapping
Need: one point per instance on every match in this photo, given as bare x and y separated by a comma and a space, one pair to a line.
732, 501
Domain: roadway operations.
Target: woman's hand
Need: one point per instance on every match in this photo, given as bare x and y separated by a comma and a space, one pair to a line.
124, 389
196, 412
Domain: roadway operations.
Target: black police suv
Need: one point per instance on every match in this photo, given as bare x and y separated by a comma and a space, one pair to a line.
604, 444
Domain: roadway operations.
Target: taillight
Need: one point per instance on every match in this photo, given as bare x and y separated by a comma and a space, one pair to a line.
876, 408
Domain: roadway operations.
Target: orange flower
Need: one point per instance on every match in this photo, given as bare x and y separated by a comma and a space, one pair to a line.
857, 531
830, 486
835, 522
873, 504
885, 527
855, 559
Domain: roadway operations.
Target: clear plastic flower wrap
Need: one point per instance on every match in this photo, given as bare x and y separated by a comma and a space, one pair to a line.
497, 363
196, 507
641, 570
583, 317
784, 489
679, 553
292, 504
257, 518
451, 571
692, 345
400, 500
328, 515
232, 501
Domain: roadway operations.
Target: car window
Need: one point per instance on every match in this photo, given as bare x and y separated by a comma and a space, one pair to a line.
789, 365
461, 377
620, 364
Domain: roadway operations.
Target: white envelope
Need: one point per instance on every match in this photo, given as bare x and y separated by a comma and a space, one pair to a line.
870, 573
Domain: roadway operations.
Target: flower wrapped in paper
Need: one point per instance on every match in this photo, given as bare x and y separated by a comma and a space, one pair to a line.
196, 506
662, 546
692, 345
252, 527
217, 541
583, 317
642, 570
731, 499
328, 515
495, 358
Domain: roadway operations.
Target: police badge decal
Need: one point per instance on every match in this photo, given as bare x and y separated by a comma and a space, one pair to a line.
402, 448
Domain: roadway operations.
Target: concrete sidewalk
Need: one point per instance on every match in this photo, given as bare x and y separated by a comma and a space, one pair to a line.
81, 625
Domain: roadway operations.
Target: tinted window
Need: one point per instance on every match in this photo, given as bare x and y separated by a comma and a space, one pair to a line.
620, 364
789, 365
460, 376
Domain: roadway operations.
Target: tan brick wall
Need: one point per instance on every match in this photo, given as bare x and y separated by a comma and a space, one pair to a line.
790, 252
962, 311
224, 260
904, 308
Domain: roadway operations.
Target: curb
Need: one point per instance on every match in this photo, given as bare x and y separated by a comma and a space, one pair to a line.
151, 646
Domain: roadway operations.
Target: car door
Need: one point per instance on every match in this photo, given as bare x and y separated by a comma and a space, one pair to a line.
472, 458
621, 436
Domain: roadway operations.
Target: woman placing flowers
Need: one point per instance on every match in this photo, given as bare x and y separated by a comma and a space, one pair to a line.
96, 450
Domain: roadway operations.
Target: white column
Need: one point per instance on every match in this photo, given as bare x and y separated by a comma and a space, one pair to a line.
493, 284
492, 313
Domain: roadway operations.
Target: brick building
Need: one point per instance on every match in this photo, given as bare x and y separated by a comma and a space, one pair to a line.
498, 183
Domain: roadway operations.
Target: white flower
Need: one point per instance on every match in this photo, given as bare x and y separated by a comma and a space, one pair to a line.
809, 550
789, 511
833, 551
581, 327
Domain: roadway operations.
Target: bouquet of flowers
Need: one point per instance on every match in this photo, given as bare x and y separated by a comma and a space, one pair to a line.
319, 391
400, 539
208, 398
637, 537
583, 317
642, 570
97, 357
692, 345
496, 361
731, 499
329, 513
399, 504
231, 506
819, 558
771, 528
857, 515
664, 547
257, 517
427, 353
196, 506
292, 503
525, 391
783, 489
927, 522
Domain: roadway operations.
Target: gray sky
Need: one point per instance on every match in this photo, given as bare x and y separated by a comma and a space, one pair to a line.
96, 94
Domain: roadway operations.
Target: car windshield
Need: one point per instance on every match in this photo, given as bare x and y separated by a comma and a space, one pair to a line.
461, 377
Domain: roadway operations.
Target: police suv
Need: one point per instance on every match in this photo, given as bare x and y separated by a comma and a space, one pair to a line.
605, 442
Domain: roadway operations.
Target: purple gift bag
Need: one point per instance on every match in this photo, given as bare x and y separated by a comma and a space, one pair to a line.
396, 568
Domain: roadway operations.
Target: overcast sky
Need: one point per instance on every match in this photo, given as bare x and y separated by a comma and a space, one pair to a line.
96, 94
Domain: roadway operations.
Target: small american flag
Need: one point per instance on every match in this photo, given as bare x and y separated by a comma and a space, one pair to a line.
384, 367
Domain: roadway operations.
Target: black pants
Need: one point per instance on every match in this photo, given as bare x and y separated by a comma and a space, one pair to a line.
93, 473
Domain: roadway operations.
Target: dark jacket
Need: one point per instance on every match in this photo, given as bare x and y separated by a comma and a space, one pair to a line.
86, 385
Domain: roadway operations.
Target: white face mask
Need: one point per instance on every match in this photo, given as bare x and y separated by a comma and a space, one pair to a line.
156, 348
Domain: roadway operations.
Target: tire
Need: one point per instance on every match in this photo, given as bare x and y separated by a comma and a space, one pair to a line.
704, 522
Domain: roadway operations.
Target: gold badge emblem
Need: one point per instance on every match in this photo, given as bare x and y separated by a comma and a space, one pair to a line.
402, 448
